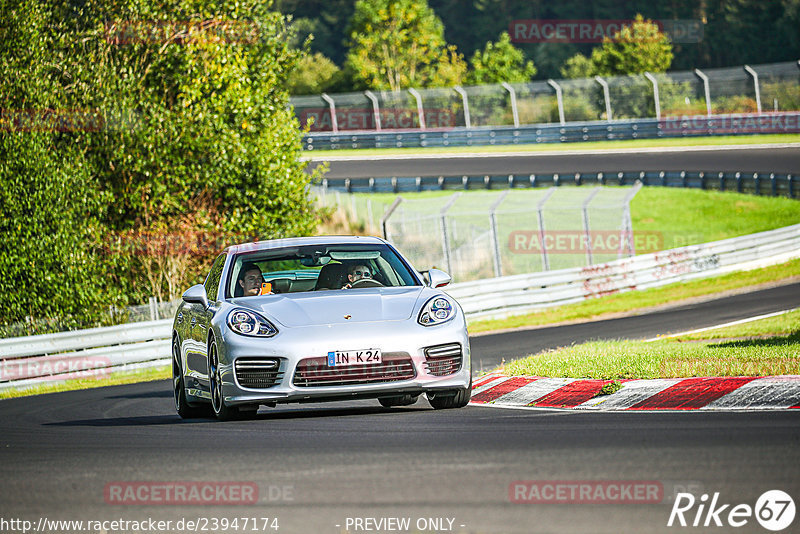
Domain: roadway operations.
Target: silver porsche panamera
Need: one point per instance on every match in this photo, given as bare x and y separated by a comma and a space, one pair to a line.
317, 319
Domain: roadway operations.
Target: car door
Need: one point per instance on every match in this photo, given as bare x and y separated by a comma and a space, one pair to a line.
199, 320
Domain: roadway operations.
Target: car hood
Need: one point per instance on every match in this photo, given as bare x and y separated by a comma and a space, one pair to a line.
337, 306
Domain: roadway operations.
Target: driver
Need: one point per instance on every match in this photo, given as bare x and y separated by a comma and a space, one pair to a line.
355, 273
250, 280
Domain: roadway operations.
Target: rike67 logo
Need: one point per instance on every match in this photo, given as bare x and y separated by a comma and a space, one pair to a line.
774, 510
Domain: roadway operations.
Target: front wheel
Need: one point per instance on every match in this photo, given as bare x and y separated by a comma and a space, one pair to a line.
442, 401
402, 400
182, 406
221, 410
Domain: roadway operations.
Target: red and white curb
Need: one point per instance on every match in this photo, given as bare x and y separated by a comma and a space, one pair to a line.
712, 393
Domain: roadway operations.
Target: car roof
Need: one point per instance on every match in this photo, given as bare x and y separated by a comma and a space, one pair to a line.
301, 241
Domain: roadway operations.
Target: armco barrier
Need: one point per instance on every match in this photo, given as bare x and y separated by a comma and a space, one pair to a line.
694, 126
757, 183
30, 360
521, 293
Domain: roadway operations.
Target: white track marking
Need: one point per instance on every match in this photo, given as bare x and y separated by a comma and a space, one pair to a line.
732, 323
773, 392
631, 393
535, 390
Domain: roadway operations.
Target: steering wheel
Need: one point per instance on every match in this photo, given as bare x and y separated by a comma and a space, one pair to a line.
366, 282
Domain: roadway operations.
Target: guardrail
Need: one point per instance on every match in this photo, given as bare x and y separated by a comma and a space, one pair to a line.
689, 126
32, 360
758, 183
522, 293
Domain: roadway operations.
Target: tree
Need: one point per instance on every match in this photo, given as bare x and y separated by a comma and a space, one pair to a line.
193, 136
500, 62
314, 74
396, 44
635, 49
578, 66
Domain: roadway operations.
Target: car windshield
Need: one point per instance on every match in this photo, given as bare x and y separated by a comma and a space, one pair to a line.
317, 268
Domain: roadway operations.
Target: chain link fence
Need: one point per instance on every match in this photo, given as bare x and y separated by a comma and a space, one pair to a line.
486, 234
746, 89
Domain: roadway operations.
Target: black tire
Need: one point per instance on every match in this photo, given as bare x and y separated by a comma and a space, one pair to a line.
402, 400
218, 406
444, 401
182, 406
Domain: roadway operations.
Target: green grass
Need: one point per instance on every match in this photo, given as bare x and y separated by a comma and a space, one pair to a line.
764, 347
611, 360
128, 377
562, 147
785, 324
639, 300
679, 217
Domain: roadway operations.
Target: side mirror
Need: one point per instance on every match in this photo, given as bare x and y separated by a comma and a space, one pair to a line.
438, 278
196, 295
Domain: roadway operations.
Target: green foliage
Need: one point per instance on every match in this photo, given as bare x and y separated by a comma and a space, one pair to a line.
190, 135
314, 74
633, 50
500, 62
578, 66
396, 44
610, 388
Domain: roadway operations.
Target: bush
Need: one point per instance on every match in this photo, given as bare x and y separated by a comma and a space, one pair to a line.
190, 132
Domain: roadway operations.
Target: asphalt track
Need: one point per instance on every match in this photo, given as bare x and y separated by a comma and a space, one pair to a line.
713, 159
316, 465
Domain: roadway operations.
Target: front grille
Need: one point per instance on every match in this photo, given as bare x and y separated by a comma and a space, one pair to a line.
258, 372
395, 366
443, 360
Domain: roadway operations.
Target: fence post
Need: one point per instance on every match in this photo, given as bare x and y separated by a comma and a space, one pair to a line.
586, 234
498, 268
460, 90
420, 109
332, 106
539, 207
513, 95
153, 309
559, 99
376, 109
606, 95
627, 224
754, 74
387, 214
655, 93
445, 239
706, 89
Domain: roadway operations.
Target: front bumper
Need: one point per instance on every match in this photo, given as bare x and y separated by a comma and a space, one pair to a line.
292, 345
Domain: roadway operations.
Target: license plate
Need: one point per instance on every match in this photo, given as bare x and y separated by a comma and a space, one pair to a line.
343, 358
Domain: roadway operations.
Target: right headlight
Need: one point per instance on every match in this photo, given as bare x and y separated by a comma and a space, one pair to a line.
436, 311
249, 323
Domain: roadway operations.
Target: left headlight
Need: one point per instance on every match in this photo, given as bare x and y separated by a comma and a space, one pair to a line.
248, 323
436, 311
